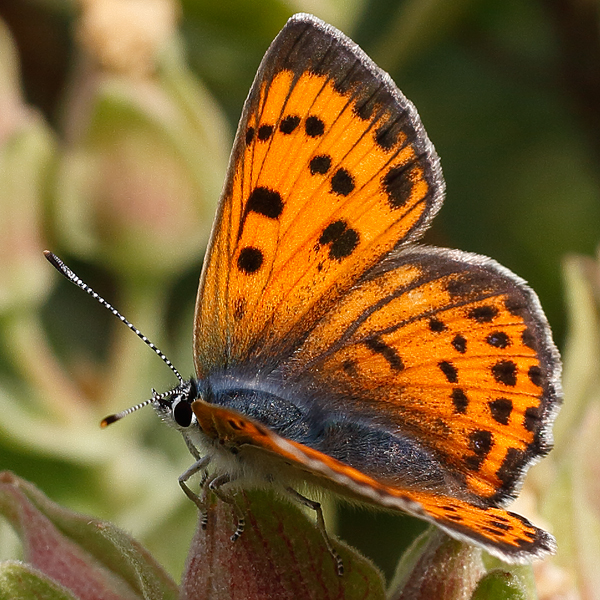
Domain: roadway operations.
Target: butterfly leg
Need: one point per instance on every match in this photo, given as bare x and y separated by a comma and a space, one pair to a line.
190, 446
316, 506
215, 487
204, 500
199, 501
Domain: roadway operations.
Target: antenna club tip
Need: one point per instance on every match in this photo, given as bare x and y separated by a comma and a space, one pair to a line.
109, 420
52, 259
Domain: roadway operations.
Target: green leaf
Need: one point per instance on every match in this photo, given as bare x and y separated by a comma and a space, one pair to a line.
19, 581
501, 585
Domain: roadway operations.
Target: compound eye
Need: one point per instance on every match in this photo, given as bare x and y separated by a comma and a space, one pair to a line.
182, 413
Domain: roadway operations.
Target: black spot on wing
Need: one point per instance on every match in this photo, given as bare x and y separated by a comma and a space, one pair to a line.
289, 124
483, 314
341, 239
505, 372
501, 408
314, 127
459, 343
320, 164
460, 400
377, 345
535, 375
449, 370
265, 132
342, 183
332, 232
480, 443
436, 325
498, 339
250, 260
533, 418
386, 136
397, 186
266, 202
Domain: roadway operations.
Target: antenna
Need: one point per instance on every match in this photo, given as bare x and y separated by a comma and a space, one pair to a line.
118, 416
60, 266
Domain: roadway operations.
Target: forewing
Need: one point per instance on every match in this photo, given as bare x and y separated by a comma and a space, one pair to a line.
331, 170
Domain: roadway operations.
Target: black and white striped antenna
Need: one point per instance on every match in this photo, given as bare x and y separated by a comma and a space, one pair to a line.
60, 266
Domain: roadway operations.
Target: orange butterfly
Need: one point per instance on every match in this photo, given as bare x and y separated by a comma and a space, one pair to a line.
328, 347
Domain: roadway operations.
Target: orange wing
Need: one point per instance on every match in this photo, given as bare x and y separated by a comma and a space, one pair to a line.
448, 349
506, 535
420, 379
331, 170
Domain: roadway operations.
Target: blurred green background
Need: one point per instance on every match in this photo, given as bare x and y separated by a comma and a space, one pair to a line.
115, 127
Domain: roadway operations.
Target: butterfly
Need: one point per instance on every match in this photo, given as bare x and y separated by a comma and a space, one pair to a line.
332, 350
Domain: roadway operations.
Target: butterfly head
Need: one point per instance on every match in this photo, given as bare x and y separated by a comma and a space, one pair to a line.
175, 406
